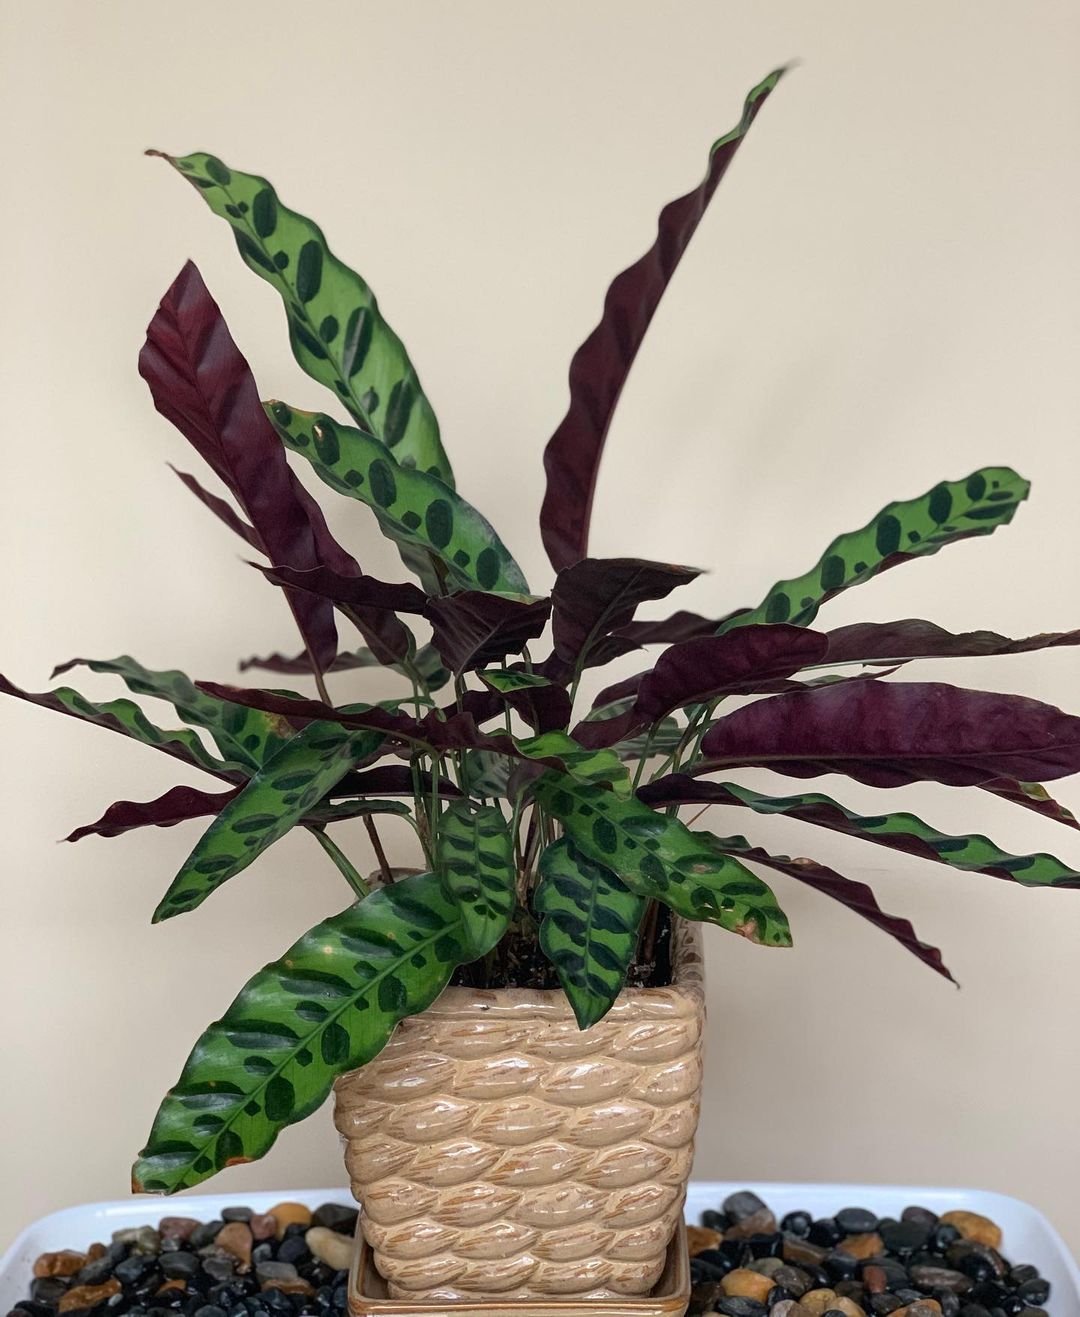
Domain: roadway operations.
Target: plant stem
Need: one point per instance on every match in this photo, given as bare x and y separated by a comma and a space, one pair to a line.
344, 864
380, 854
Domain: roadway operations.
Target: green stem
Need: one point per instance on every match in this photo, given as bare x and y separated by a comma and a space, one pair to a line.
344, 864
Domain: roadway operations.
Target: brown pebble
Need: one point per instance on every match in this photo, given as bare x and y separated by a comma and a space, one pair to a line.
95, 1251
852, 1290
89, 1296
745, 1284
973, 1226
330, 1247
801, 1253
769, 1267
920, 1308
297, 1286
290, 1214
64, 1263
757, 1223
862, 1246
875, 1279
818, 1302
175, 1284
786, 1308
699, 1239
263, 1225
177, 1227
847, 1306
235, 1240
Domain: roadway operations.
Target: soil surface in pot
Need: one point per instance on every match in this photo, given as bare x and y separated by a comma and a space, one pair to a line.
746, 1263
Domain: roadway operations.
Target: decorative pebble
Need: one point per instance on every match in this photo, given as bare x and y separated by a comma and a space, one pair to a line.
235, 1240
856, 1221
862, 1245
263, 1225
745, 1284
761, 1222
88, 1296
336, 1216
698, 1238
334, 1249
64, 1263
818, 1302
738, 1207
975, 1227
289, 1214
178, 1228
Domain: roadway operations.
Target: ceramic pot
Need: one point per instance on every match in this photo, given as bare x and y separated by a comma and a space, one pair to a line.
499, 1151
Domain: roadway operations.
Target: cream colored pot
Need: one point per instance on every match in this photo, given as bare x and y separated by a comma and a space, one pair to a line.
499, 1151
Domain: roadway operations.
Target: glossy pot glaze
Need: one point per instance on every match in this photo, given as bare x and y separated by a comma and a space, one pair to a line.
499, 1151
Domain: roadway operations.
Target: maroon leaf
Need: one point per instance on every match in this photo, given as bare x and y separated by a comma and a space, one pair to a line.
350, 592
224, 511
697, 671
855, 895
545, 708
284, 666
598, 595
912, 638
602, 363
176, 806
472, 629
439, 732
681, 625
890, 733
390, 780
1030, 795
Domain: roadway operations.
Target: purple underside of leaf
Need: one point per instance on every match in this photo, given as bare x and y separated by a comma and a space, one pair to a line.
458, 731
855, 895
473, 629
352, 591
911, 638
389, 780
602, 363
176, 806
1030, 795
891, 733
697, 671
597, 596
297, 665
681, 625
222, 510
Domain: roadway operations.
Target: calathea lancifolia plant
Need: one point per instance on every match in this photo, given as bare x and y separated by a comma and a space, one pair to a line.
543, 824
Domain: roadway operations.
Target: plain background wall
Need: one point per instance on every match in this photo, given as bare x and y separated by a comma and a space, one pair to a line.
885, 293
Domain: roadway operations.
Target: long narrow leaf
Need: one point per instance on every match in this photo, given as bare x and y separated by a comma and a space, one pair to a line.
412, 507
338, 334
1033, 796
602, 363
588, 928
425, 661
328, 1005
177, 805
950, 512
476, 861
912, 638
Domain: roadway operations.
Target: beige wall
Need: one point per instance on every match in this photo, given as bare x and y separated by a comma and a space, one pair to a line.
885, 293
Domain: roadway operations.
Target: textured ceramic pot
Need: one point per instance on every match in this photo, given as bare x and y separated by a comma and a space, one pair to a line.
499, 1151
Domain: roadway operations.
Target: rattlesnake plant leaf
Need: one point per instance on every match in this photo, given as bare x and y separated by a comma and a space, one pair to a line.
288, 785
246, 736
588, 928
681, 625
913, 638
350, 592
1033, 796
599, 595
952, 511
328, 1005
413, 508
426, 662
543, 705
659, 858
338, 334
973, 853
486, 775
855, 895
200, 381
602, 363
584, 765
890, 733
700, 670
225, 512
125, 717
476, 861
471, 629
177, 805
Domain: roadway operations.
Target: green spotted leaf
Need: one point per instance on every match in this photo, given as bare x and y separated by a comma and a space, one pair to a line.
328, 1005
585, 766
247, 736
588, 928
476, 861
414, 509
658, 857
486, 774
951, 511
125, 717
289, 785
338, 334
902, 832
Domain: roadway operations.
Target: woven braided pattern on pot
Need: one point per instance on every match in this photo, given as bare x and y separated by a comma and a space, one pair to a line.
497, 1149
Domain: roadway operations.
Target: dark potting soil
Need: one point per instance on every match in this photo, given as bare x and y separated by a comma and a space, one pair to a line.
518, 961
290, 1262
746, 1263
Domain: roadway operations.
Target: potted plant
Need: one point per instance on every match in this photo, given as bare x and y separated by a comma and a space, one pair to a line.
514, 1031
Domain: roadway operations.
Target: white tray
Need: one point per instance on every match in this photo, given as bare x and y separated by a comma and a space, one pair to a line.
1029, 1237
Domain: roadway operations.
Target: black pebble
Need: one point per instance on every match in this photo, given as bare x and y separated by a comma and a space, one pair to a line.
840, 1265
777, 1295
856, 1221
336, 1216
825, 1232
883, 1304
797, 1223
905, 1237
979, 1268
739, 1307
219, 1269
95, 1272
210, 1310
942, 1236
48, 1289
908, 1295
949, 1301
1012, 1304
922, 1215
1021, 1274
974, 1310
713, 1220
735, 1249
236, 1214
766, 1246
1034, 1292
293, 1250
177, 1266
267, 1251
134, 1268
33, 1308
700, 1272
989, 1294
716, 1258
